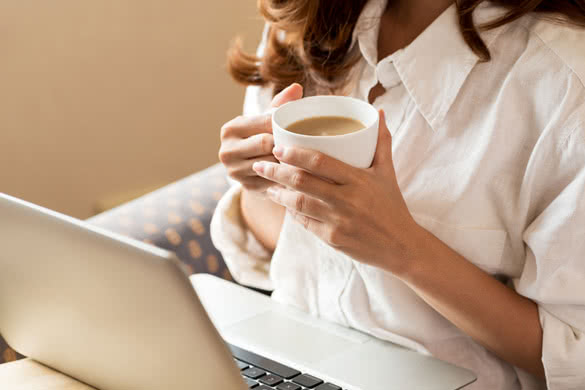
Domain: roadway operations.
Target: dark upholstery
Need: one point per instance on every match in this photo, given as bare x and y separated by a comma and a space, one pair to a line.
176, 218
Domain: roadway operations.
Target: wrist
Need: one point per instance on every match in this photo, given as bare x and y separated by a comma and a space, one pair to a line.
419, 253
262, 217
249, 205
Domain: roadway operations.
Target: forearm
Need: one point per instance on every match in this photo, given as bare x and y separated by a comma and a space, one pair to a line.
491, 313
263, 217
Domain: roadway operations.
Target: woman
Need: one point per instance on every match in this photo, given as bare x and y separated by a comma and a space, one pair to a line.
466, 237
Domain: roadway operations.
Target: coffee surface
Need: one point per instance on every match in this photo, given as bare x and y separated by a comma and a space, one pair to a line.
326, 125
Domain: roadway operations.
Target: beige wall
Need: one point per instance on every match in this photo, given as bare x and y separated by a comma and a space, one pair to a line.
105, 96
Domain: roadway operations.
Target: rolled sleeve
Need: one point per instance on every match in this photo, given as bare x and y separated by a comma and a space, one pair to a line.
246, 258
563, 353
554, 271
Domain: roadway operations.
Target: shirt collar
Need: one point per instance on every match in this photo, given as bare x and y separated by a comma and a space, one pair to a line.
367, 29
434, 67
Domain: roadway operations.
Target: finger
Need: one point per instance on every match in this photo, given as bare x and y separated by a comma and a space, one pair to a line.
255, 146
235, 150
316, 227
247, 126
297, 179
383, 155
315, 162
244, 168
299, 202
290, 93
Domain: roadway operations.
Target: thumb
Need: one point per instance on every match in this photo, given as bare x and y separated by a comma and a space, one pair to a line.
383, 156
290, 93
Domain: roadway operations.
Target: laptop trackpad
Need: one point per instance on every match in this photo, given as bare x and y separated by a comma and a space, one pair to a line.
280, 337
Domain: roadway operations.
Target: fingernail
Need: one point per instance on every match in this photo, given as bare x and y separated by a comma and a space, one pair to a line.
258, 167
278, 151
272, 192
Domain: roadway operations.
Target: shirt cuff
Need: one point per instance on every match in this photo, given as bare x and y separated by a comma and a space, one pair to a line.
563, 353
246, 258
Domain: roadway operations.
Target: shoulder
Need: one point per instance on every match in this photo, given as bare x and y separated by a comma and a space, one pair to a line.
543, 65
257, 99
565, 42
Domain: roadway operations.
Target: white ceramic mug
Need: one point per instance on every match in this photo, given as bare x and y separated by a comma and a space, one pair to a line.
356, 149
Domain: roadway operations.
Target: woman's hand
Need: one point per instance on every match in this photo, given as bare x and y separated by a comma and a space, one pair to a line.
360, 212
246, 140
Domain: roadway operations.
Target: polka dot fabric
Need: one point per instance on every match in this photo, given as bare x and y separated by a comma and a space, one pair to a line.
176, 218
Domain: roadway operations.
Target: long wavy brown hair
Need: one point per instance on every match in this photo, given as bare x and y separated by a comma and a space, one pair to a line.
316, 49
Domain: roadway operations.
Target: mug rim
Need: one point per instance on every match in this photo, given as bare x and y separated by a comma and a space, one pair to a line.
333, 97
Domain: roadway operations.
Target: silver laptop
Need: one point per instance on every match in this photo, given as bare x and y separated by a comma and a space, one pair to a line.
118, 314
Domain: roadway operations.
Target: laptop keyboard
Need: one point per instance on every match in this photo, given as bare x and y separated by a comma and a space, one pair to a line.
261, 373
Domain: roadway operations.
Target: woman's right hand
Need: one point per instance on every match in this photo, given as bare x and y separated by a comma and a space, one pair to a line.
248, 139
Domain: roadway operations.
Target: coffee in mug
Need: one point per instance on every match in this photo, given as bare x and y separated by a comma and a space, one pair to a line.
342, 127
326, 125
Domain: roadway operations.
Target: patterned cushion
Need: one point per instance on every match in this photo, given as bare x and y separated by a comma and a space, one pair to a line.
176, 218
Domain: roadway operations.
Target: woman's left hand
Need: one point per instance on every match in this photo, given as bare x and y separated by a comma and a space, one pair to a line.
360, 212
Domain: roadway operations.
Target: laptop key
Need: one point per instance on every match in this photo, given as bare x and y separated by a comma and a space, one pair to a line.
254, 372
307, 381
241, 365
251, 384
263, 363
271, 380
262, 387
288, 386
328, 386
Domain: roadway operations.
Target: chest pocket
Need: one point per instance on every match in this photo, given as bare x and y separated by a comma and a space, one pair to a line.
482, 247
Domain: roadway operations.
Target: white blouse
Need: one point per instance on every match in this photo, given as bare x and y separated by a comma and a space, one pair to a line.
490, 158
